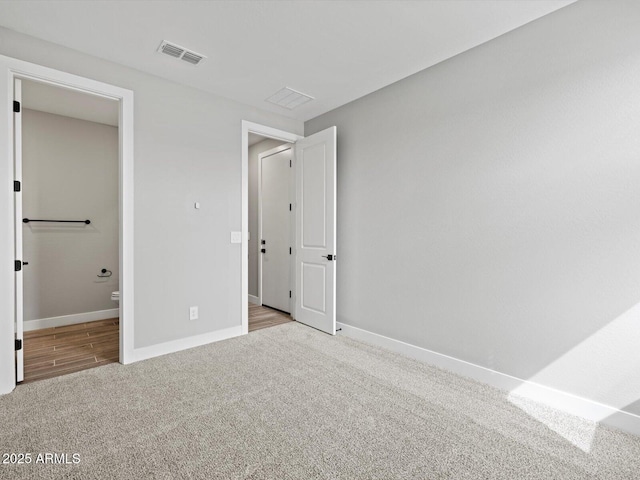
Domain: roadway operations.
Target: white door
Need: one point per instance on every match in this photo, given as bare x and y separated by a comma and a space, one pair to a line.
315, 261
17, 128
275, 239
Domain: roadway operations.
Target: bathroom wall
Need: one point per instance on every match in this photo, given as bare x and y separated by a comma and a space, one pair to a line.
70, 171
254, 151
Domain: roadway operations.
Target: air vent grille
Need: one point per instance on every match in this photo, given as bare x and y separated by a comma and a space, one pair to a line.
192, 58
172, 50
181, 53
289, 98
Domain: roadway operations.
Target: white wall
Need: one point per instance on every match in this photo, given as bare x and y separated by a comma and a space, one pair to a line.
489, 209
187, 148
254, 242
70, 171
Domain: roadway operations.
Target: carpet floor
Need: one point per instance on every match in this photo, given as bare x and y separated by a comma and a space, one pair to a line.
289, 402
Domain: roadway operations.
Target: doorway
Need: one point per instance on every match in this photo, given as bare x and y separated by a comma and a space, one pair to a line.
12, 320
275, 228
313, 207
67, 231
270, 231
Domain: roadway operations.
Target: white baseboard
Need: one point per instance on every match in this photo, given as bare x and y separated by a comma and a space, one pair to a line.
253, 299
173, 346
558, 399
70, 319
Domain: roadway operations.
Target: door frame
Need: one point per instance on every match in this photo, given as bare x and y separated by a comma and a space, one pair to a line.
292, 179
11, 68
269, 132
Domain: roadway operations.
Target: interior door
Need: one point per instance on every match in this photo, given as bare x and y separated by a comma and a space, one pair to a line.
19, 327
315, 261
275, 226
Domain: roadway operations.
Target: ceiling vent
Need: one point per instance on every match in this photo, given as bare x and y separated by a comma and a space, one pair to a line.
289, 98
182, 53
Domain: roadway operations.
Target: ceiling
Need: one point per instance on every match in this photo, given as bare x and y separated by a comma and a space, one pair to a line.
69, 103
254, 138
334, 51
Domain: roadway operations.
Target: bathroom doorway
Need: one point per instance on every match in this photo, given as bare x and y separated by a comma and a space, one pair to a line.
69, 230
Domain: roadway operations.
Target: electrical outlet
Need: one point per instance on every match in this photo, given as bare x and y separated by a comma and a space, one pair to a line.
193, 313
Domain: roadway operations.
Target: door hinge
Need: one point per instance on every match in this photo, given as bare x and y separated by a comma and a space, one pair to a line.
16, 185
18, 344
289, 293
16, 106
290, 163
289, 250
18, 265
289, 207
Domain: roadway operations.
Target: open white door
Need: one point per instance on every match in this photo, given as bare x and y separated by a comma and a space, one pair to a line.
17, 129
315, 291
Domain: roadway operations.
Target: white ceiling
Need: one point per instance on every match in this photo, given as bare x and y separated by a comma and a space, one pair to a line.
334, 51
254, 138
70, 103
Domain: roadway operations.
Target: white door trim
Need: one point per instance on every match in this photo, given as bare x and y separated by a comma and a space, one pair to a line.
262, 155
265, 131
11, 68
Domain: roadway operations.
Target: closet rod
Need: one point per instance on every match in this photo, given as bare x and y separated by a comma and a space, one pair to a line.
28, 220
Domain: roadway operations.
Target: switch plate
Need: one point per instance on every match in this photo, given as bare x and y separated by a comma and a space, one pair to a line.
196, 205
193, 313
236, 237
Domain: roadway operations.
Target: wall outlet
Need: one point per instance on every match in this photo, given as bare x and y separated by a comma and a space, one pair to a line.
193, 313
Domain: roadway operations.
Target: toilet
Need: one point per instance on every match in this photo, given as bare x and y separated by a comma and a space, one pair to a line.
115, 296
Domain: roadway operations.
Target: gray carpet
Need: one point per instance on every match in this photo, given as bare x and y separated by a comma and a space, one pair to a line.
289, 402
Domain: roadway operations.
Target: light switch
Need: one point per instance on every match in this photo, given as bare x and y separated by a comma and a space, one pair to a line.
196, 205
236, 237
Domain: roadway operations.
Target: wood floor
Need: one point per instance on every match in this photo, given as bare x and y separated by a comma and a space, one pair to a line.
57, 351
264, 317
51, 352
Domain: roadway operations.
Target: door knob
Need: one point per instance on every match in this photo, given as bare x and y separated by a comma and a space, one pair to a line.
329, 257
263, 250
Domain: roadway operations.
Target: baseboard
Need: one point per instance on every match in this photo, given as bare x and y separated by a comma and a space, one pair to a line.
552, 397
253, 299
173, 346
70, 319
